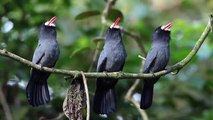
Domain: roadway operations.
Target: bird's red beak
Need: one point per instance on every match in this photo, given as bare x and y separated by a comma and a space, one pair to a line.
115, 24
167, 26
52, 21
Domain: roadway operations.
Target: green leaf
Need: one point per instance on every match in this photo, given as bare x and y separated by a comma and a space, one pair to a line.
87, 14
114, 14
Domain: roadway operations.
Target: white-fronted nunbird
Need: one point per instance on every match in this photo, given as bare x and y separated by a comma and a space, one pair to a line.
46, 55
111, 59
156, 60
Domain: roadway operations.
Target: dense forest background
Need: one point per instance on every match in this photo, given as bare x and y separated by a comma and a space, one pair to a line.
185, 96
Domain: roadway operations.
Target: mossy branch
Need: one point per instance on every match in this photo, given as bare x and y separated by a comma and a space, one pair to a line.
120, 75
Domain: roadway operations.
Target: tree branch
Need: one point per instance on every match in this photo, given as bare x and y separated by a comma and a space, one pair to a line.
182, 63
118, 75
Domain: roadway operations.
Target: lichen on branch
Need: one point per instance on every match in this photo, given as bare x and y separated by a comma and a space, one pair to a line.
119, 75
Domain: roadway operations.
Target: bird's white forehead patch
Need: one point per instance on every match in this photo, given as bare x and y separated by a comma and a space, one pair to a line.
164, 28
112, 26
167, 26
46, 24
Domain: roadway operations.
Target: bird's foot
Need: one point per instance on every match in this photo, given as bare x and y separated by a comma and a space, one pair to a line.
167, 68
174, 72
153, 74
105, 72
40, 67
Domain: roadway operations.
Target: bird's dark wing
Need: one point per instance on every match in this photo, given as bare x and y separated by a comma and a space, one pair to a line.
147, 93
101, 62
150, 60
122, 66
38, 55
161, 60
102, 65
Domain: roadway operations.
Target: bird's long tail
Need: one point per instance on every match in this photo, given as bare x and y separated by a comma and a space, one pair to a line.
37, 88
147, 95
105, 99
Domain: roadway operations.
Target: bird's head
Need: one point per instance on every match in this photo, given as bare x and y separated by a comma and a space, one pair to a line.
114, 32
51, 22
115, 24
167, 26
48, 30
162, 33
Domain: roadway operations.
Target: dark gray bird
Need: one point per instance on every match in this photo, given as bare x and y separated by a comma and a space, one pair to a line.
46, 54
111, 59
156, 60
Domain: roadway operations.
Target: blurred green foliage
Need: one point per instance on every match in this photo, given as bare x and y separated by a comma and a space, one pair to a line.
185, 96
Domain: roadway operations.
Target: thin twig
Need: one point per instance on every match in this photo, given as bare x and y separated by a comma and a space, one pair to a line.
95, 56
87, 95
128, 96
106, 10
142, 112
143, 58
133, 87
5, 106
137, 39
